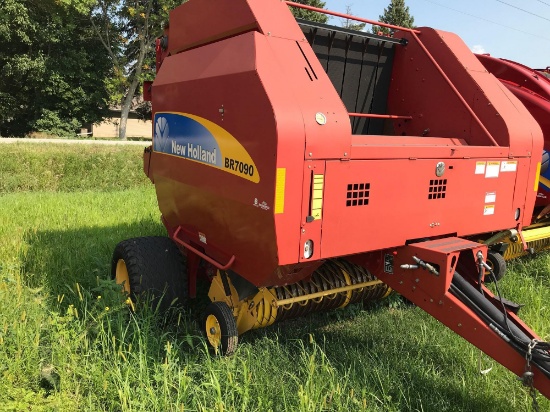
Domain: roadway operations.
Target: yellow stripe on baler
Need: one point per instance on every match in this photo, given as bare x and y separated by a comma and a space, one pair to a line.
537, 177
280, 182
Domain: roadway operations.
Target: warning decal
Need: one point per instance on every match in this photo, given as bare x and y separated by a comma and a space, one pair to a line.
493, 169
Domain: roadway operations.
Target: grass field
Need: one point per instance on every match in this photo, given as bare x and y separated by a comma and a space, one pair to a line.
69, 343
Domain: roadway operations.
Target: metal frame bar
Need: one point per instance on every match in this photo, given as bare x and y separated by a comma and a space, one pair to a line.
354, 33
350, 17
202, 255
380, 116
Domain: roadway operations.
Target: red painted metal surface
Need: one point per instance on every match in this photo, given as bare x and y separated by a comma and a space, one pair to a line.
462, 208
435, 75
253, 155
228, 19
517, 73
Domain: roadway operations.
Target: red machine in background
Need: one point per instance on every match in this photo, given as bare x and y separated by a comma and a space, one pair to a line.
532, 88
314, 166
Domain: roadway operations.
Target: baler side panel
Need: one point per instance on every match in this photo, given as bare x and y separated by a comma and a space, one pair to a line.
299, 90
420, 89
309, 86
538, 106
360, 196
232, 214
281, 67
489, 100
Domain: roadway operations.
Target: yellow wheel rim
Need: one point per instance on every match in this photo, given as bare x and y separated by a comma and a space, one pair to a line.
213, 331
490, 264
121, 276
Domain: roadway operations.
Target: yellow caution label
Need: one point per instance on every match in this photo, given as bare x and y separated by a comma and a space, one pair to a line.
280, 182
493, 169
489, 210
317, 196
509, 166
480, 168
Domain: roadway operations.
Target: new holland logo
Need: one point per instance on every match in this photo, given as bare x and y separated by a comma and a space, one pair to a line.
194, 138
161, 133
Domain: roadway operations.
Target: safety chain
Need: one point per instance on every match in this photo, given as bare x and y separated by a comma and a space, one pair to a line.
528, 375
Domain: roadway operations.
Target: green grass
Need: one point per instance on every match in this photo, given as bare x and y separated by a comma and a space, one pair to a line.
69, 343
69, 168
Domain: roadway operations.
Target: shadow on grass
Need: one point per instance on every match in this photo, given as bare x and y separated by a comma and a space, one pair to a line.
56, 260
382, 357
396, 367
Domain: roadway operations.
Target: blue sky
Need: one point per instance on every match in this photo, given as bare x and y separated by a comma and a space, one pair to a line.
487, 26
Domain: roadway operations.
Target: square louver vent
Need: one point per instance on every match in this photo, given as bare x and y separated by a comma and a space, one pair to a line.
438, 187
358, 194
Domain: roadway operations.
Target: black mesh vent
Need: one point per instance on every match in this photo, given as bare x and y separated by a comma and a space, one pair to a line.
438, 188
358, 194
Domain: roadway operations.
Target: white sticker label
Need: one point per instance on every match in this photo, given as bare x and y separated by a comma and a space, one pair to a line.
490, 197
320, 118
489, 210
492, 170
480, 168
263, 205
388, 263
509, 166
202, 237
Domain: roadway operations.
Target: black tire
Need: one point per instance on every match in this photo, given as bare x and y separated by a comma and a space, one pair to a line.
497, 263
220, 328
155, 267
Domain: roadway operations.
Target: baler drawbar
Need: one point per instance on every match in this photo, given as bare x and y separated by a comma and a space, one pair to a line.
303, 167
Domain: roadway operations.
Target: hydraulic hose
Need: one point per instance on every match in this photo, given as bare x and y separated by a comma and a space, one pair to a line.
499, 322
505, 334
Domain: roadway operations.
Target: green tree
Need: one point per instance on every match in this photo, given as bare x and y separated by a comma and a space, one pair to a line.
352, 24
397, 13
52, 68
127, 30
308, 14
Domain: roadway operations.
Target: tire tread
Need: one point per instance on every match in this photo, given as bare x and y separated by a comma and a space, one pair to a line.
155, 265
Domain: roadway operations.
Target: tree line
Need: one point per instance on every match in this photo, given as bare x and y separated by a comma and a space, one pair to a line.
64, 63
